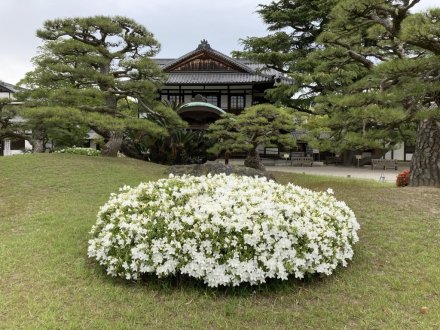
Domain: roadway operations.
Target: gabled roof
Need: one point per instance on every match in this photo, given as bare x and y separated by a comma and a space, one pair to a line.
204, 51
205, 66
7, 88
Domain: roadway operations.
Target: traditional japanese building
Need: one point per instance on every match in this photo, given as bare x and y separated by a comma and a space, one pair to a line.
7, 90
208, 83
12, 146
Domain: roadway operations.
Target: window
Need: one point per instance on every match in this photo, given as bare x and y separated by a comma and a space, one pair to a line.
237, 101
212, 99
174, 98
17, 144
208, 98
409, 149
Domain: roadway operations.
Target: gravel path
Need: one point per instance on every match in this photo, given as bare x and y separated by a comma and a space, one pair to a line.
353, 172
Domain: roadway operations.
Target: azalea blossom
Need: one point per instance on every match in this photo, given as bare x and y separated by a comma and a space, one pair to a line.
224, 230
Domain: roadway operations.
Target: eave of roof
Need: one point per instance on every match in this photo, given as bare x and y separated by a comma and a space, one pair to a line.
248, 72
208, 51
8, 88
207, 78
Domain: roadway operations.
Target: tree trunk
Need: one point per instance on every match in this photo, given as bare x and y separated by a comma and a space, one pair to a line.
425, 165
132, 152
38, 140
253, 160
227, 155
348, 158
38, 146
113, 145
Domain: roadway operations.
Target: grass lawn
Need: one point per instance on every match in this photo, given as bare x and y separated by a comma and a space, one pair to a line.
48, 204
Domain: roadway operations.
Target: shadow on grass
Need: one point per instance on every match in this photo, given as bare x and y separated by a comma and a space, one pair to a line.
188, 285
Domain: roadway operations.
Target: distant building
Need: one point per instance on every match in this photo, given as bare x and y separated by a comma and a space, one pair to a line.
7, 90
207, 83
10, 146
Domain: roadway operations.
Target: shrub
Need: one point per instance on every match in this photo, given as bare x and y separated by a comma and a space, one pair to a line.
79, 151
222, 229
403, 179
216, 168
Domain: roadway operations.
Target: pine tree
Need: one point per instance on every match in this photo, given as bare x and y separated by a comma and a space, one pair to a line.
370, 76
294, 26
260, 125
100, 65
401, 89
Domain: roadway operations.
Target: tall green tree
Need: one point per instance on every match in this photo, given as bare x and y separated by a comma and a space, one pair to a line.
99, 65
260, 125
423, 84
315, 69
40, 125
401, 90
8, 127
357, 113
294, 26
372, 76
61, 126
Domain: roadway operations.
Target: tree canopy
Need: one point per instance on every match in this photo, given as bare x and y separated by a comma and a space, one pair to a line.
102, 66
259, 125
369, 77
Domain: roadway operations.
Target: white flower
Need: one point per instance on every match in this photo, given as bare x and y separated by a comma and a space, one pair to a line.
222, 229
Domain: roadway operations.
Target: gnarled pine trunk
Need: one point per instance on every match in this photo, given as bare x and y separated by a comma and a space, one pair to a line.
113, 144
425, 165
38, 146
38, 140
253, 160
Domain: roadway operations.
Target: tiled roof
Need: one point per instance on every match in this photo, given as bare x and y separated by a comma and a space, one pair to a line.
247, 71
204, 47
259, 67
8, 88
252, 66
216, 78
163, 61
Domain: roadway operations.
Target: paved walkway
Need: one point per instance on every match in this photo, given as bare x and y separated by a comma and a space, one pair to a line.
342, 171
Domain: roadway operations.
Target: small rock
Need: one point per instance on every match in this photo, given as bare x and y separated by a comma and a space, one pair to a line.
424, 310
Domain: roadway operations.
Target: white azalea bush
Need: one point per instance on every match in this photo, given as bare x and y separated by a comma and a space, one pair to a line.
79, 151
225, 230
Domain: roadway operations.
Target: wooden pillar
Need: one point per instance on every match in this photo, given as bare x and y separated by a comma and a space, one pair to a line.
229, 99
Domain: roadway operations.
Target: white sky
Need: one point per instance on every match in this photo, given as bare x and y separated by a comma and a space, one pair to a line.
179, 25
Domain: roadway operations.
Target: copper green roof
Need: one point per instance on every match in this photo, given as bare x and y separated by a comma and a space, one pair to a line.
200, 106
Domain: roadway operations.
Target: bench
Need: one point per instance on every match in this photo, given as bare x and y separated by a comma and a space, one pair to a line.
333, 160
384, 164
301, 161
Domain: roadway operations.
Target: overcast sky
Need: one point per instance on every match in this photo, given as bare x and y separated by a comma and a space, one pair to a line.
179, 25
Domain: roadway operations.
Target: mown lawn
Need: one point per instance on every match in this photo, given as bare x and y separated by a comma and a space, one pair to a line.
48, 204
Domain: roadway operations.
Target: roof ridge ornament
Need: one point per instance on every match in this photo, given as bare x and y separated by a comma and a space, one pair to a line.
204, 44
